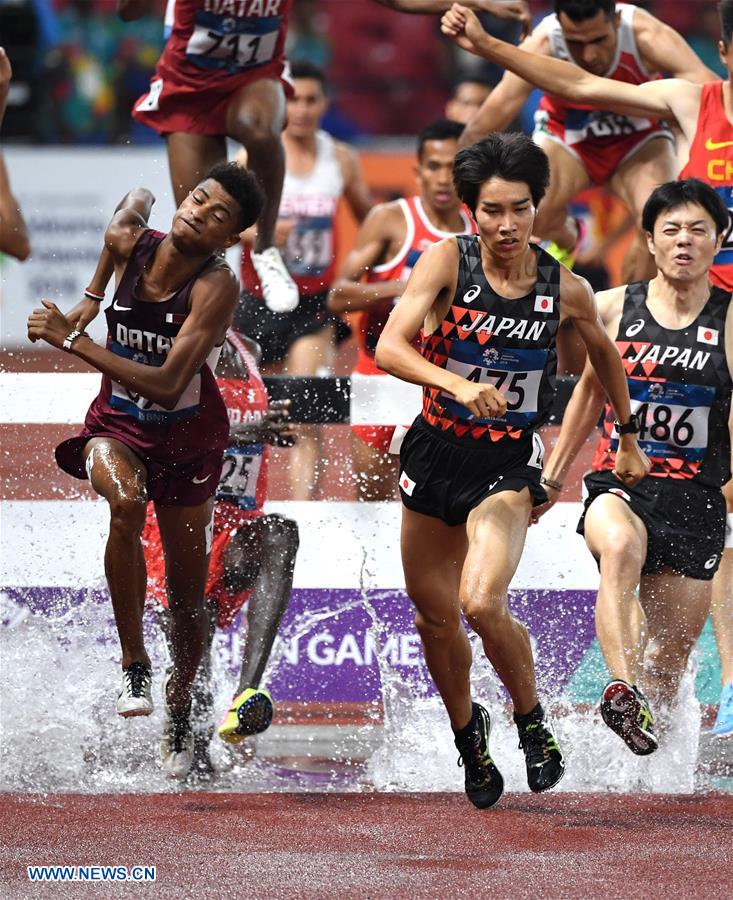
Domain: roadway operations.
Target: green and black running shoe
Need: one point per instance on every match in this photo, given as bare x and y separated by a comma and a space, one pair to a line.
544, 759
484, 784
626, 711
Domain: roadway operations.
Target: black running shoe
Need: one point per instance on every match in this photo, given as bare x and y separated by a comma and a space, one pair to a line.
545, 764
484, 784
626, 711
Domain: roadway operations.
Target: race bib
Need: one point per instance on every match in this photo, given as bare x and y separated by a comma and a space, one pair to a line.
516, 373
581, 125
673, 418
144, 410
239, 475
309, 248
232, 43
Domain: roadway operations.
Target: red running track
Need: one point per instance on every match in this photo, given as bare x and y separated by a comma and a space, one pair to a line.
377, 845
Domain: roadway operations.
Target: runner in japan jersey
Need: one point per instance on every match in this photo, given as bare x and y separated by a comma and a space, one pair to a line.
711, 160
488, 339
420, 234
601, 140
680, 389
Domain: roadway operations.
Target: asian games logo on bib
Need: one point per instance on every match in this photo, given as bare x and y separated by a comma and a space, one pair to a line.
655, 390
228, 25
490, 356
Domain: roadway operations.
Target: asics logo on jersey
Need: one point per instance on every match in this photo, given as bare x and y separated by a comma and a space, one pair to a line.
471, 293
717, 145
635, 328
119, 308
711, 562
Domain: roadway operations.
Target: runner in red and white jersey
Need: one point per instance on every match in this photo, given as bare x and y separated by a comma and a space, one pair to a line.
587, 145
252, 554
388, 245
320, 172
692, 107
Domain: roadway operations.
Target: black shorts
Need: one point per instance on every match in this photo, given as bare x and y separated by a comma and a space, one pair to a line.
443, 476
685, 522
277, 332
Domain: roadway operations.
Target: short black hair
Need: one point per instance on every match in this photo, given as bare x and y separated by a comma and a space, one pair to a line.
243, 186
513, 157
580, 10
677, 193
725, 11
440, 130
304, 68
466, 78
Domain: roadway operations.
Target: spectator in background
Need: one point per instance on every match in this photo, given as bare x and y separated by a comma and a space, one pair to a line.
308, 34
14, 238
318, 172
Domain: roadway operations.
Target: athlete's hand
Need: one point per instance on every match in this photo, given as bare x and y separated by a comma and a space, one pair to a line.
278, 427
48, 323
537, 512
632, 463
463, 26
482, 400
273, 428
508, 9
84, 312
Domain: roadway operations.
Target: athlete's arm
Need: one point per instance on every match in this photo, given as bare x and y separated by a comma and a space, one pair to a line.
213, 300
506, 100
383, 228
579, 305
502, 9
669, 97
274, 427
356, 190
130, 217
14, 239
431, 284
129, 10
665, 50
587, 400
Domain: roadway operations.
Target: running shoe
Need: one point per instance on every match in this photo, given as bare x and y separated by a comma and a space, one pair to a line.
724, 721
542, 755
135, 696
563, 254
484, 784
176, 745
250, 713
279, 291
626, 711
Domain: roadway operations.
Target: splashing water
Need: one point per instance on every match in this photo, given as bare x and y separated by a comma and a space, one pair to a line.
60, 731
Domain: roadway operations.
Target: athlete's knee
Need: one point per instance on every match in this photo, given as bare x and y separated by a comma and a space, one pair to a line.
437, 626
485, 611
127, 514
257, 130
620, 549
280, 534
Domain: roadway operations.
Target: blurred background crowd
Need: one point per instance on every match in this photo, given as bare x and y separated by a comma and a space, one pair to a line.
78, 68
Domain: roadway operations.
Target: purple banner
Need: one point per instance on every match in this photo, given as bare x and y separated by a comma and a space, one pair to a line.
331, 641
